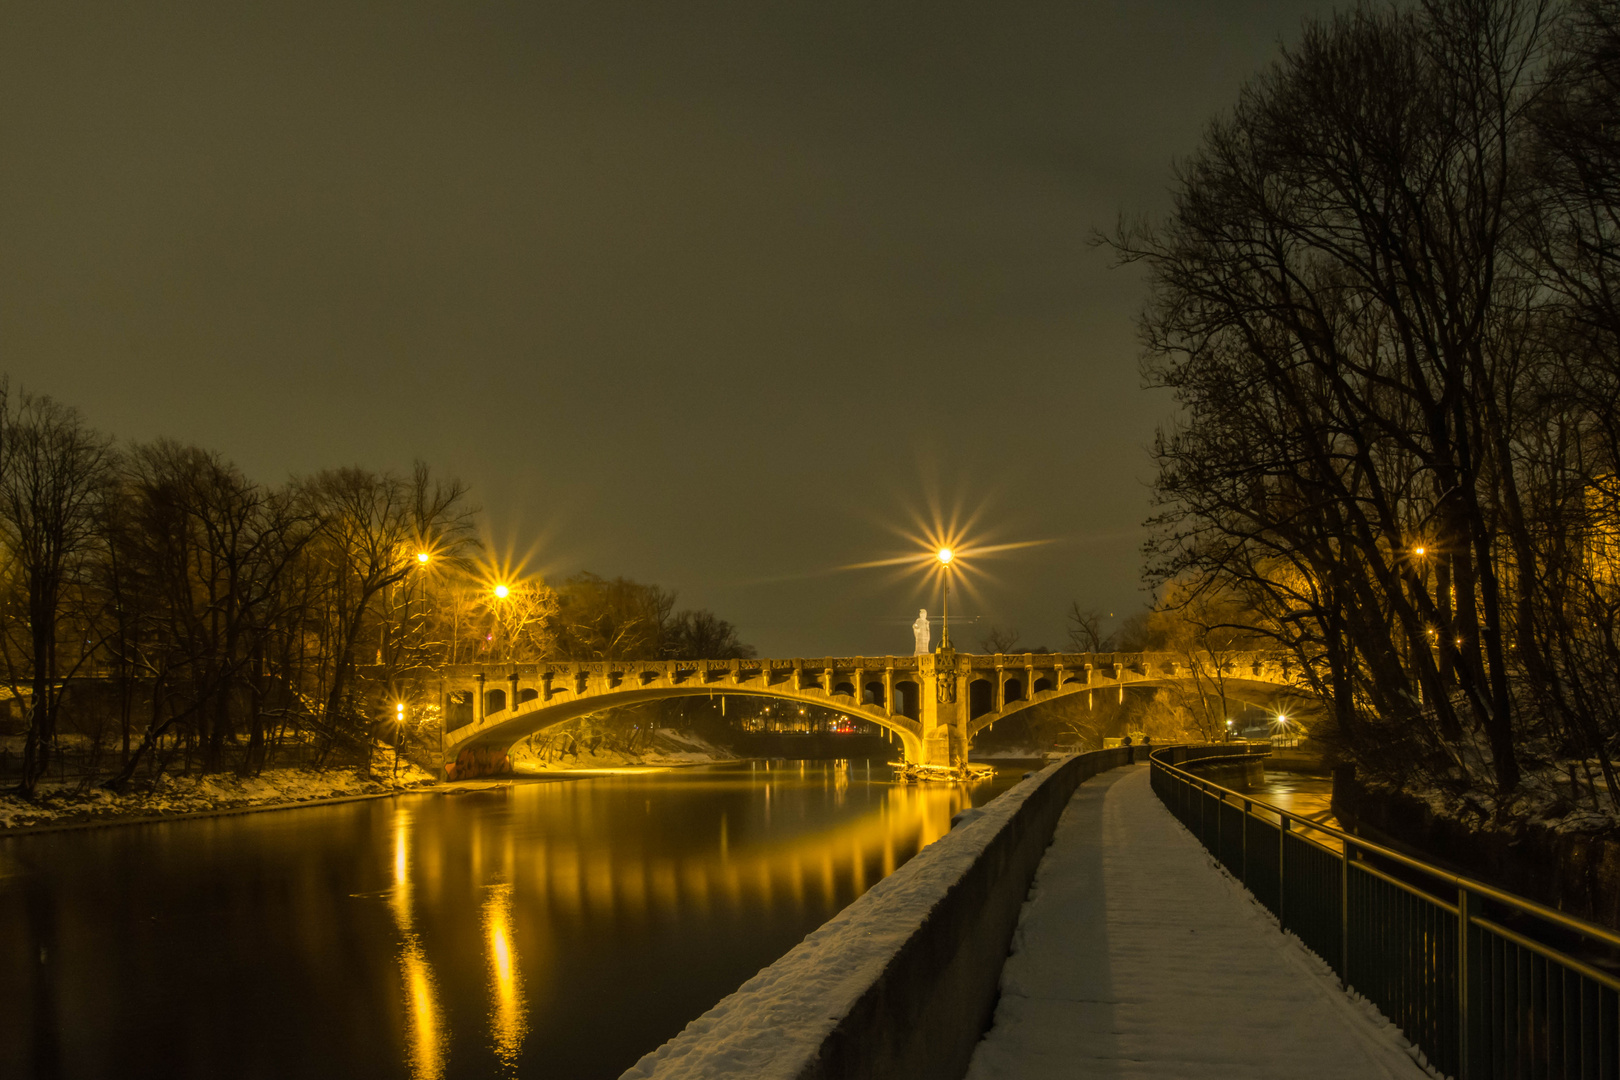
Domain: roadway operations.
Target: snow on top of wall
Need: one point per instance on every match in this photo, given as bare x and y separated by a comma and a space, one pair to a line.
778, 1020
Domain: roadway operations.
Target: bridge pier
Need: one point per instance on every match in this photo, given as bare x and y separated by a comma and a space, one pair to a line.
943, 710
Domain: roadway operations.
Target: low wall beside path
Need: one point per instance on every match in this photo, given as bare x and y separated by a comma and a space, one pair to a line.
902, 982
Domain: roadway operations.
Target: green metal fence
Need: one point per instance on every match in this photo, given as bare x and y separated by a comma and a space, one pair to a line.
1489, 985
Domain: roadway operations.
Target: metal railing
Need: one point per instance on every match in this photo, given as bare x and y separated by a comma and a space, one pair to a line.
1487, 984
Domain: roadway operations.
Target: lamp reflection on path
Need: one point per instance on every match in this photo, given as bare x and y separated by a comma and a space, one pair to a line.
508, 1017
424, 1019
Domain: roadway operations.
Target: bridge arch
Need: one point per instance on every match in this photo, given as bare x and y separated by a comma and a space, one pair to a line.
504, 729
1260, 694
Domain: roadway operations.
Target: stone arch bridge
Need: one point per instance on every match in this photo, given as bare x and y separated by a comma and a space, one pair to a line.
934, 704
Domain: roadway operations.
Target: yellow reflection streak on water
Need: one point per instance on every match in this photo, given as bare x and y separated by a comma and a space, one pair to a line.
595, 876
424, 1019
399, 901
509, 1015
591, 872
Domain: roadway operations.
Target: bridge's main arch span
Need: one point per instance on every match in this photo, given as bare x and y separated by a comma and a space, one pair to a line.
927, 701
511, 703
1282, 697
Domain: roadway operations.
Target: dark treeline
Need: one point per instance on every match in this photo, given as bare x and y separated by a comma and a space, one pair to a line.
1386, 301
216, 621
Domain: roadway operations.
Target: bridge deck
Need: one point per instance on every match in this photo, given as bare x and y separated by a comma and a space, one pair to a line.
1136, 957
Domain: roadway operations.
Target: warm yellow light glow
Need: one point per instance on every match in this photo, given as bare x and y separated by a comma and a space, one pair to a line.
423, 557
944, 555
1419, 551
399, 712
424, 1021
423, 1016
507, 1019
400, 899
502, 592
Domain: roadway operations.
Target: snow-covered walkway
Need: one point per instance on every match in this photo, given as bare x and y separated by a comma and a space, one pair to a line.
1136, 957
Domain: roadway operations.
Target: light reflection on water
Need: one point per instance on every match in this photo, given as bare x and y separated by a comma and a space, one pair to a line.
557, 929
508, 1021
425, 1023
1307, 795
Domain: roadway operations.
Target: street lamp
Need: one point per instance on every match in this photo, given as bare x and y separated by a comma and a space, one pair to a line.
945, 555
502, 591
423, 558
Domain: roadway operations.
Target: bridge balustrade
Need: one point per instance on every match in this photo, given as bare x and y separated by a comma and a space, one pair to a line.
1487, 984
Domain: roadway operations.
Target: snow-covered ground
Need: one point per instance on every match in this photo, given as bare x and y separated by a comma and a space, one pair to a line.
1138, 956
664, 747
60, 803
1563, 795
1010, 753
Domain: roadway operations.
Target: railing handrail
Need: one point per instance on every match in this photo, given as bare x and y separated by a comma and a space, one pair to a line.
1458, 881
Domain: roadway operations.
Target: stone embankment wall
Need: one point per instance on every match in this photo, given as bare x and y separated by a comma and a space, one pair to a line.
903, 982
1573, 872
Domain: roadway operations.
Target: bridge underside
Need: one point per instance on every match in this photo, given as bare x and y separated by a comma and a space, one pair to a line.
481, 751
1282, 699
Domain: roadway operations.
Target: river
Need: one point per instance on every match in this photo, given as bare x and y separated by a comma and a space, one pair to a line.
539, 929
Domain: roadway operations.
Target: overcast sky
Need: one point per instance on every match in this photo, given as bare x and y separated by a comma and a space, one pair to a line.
721, 295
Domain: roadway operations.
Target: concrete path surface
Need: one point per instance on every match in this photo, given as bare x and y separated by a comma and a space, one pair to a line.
1136, 957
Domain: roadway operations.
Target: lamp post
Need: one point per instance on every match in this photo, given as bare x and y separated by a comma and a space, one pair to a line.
502, 592
944, 555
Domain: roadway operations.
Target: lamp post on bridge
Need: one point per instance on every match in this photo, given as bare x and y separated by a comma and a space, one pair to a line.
944, 555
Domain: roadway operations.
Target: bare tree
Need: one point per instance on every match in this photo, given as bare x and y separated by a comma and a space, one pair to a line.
1085, 630
610, 619
197, 556
1339, 305
53, 473
371, 528
997, 640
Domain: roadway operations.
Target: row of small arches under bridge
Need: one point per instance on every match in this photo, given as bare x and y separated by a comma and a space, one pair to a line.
907, 695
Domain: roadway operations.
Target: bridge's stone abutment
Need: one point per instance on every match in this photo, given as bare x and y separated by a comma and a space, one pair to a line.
903, 982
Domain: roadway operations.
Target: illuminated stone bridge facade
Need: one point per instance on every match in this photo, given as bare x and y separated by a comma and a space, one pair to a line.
933, 704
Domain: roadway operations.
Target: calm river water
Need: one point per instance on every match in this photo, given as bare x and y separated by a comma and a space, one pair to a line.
539, 929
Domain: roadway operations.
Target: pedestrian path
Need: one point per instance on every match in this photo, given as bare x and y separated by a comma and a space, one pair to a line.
1136, 957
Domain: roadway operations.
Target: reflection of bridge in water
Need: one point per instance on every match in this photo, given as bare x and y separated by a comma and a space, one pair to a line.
933, 704
585, 869
594, 874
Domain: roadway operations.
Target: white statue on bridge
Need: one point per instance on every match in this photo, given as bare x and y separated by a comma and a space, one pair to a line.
919, 630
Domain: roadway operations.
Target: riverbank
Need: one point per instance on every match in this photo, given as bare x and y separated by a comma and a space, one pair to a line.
60, 805
663, 747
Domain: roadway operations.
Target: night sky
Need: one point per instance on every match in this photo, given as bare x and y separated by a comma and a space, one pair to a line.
722, 296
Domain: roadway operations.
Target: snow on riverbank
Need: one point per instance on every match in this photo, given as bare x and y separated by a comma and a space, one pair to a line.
665, 746
60, 803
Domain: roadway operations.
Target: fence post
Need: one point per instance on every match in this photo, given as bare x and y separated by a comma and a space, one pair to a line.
1344, 915
1248, 805
1284, 824
1465, 916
